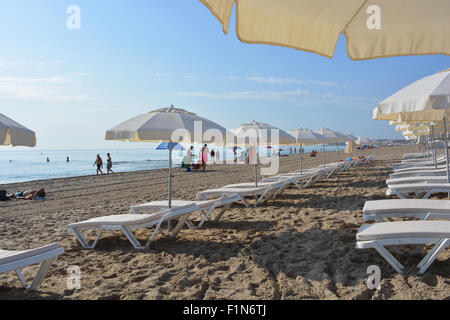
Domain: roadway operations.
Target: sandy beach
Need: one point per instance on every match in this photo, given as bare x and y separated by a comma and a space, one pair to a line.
299, 246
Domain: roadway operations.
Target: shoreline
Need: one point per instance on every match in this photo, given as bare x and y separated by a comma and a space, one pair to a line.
328, 156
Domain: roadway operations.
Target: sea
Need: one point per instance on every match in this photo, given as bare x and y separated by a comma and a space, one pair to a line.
31, 164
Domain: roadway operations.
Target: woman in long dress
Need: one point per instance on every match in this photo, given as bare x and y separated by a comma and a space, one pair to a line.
204, 154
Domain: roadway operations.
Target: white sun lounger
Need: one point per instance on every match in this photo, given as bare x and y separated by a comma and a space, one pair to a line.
16, 260
419, 179
423, 209
206, 207
438, 158
264, 192
427, 189
127, 222
420, 155
383, 234
409, 165
418, 173
286, 180
296, 178
420, 168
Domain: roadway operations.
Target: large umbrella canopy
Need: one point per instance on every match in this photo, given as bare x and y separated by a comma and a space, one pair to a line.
262, 134
427, 99
373, 28
365, 140
169, 125
333, 136
308, 137
259, 133
351, 137
15, 134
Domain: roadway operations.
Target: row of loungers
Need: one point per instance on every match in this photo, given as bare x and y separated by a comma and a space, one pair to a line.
419, 178
406, 179
155, 213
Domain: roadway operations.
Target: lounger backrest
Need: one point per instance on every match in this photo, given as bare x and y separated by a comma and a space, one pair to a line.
178, 212
7, 256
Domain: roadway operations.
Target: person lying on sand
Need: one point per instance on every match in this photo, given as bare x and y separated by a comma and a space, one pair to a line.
29, 195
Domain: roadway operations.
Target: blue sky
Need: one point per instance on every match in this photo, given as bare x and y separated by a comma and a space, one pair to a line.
130, 57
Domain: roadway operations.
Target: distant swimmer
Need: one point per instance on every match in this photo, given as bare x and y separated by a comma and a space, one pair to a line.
68, 159
48, 159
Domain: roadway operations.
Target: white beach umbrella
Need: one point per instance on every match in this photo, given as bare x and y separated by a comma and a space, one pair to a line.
261, 134
373, 28
365, 140
427, 99
170, 125
333, 137
307, 137
13, 133
351, 137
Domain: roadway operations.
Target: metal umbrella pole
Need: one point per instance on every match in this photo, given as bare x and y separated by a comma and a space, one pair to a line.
301, 160
337, 150
323, 156
433, 147
170, 180
256, 175
446, 149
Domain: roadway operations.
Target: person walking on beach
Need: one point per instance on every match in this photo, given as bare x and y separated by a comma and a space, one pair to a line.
109, 163
213, 156
217, 156
189, 153
99, 163
204, 154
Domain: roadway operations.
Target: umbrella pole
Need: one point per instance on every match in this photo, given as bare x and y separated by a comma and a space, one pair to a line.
170, 179
301, 160
446, 149
323, 156
256, 175
433, 147
337, 150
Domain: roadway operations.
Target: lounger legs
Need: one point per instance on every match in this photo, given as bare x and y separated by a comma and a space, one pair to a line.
84, 243
432, 255
424, 263
40, 275
389, 258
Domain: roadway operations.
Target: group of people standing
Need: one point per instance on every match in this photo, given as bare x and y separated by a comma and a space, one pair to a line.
203, 157
99, 163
